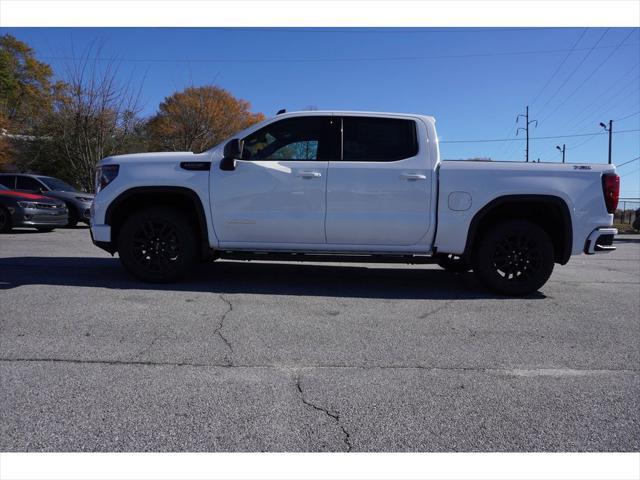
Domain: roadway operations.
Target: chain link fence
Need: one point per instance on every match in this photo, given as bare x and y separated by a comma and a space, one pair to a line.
627, 210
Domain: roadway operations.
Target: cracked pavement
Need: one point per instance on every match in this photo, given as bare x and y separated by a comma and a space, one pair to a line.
298, 357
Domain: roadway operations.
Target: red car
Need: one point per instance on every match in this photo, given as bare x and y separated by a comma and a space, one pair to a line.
19, 209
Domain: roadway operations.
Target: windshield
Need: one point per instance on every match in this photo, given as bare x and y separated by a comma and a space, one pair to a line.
56, 184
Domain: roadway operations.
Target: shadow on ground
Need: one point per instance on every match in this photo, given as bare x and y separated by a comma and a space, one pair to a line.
356, 281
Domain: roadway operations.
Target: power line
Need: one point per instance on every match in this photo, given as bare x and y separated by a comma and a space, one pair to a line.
314, 60
553, 75
564, 60
628, 116
629, 173
566, 98
617, 97
536, 138
593, 47
625, 163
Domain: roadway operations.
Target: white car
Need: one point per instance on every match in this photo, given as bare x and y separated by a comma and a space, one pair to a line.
351, 186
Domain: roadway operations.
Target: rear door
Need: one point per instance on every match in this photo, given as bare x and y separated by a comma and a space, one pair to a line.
277, 193
28, 184
379, 192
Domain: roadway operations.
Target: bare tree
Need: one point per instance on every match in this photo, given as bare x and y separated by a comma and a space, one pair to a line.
95, 116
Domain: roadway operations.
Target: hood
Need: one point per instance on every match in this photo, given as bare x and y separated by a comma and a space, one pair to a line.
28, 196
25, 196
65, 195
151, 157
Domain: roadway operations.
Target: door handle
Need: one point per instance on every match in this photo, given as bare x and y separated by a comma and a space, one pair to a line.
413, 176
308, 174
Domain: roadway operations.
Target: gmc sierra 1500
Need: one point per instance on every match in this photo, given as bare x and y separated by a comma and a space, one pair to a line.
351, 186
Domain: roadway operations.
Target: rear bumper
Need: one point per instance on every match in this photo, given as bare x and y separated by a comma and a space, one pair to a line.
600, 241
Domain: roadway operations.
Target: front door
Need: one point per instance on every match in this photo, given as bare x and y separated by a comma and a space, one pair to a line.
277, 193
379, 193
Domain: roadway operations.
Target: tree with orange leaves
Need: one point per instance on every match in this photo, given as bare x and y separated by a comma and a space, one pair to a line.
198, 118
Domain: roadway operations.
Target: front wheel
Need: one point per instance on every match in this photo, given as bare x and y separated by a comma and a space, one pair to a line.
157, 244
5, 220
514, 258
73, 216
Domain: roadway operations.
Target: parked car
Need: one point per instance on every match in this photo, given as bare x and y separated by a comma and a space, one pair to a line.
78, 203
19, 209
351, 186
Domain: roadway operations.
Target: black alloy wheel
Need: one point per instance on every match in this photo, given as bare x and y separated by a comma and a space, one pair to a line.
514, 258
157, 244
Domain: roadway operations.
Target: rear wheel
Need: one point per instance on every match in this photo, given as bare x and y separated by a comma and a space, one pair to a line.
158, 244
5, 220
453, 263
514, 258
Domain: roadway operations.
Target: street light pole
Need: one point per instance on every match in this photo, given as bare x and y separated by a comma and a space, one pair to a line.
610, 130
610, 138
563, 149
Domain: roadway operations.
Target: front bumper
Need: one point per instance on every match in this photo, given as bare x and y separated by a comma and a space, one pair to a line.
101, 237
40, 217
600, 241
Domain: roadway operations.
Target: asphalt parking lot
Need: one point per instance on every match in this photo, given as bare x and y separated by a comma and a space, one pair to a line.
299, 357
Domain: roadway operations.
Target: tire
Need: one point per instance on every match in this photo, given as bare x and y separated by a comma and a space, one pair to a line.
5, 220
44, 229
453, 263
514, 258
158, 244
73, 216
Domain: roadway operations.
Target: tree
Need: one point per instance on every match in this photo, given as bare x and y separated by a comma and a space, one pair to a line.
27, 91
94, 116
198, 118
26, 86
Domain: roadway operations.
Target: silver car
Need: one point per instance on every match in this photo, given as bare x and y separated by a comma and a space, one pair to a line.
78, 203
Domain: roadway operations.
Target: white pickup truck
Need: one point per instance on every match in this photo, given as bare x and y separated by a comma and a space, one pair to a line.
351, 186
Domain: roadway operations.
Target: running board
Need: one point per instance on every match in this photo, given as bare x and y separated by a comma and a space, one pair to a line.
320, 257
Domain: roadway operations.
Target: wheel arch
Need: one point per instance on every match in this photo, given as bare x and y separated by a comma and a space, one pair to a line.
136, 198
549, 211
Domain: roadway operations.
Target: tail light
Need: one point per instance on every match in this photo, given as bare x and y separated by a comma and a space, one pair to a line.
611, 191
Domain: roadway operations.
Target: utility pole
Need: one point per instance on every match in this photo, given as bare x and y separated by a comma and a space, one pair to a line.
526, 129
564, 147
610, 130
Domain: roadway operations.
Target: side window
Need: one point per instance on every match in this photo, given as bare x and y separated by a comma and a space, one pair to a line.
8, 181
28, 183
298, 138
372, 139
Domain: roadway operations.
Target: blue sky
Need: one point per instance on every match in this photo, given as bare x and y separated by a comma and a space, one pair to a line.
474, 81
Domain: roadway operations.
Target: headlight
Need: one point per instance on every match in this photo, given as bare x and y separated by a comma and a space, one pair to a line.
28, 204
84, 199
105, 175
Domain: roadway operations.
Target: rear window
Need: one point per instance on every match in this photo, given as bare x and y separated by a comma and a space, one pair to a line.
371, 139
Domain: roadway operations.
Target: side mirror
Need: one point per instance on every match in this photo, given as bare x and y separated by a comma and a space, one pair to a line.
232, 151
